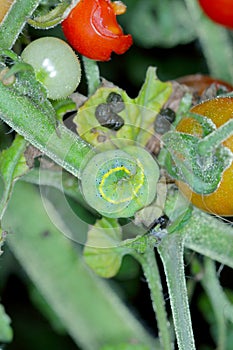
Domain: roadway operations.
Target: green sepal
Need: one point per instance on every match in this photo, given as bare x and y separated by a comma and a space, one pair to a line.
51, 18
201, 173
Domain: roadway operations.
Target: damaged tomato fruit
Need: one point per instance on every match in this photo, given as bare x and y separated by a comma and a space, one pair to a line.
91, 28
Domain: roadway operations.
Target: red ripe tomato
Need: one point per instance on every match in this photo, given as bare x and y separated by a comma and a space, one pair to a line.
220, 202
220, 11
91, 28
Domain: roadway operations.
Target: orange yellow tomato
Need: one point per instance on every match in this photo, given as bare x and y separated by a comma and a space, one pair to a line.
220, 202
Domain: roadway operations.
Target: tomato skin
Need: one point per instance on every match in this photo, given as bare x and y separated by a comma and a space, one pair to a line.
220, 11
56, 66
200, 82
220, 202
91, 28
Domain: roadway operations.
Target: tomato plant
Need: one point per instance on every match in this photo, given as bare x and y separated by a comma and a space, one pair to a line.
220, 11
55, 64
219, 110
97, 169
91, 28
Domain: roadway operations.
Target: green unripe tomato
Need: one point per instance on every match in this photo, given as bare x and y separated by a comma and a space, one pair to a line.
56, 66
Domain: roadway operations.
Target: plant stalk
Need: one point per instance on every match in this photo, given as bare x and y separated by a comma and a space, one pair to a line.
60, 144
216, 296
151, 272
171, 251
92, 74
15, 19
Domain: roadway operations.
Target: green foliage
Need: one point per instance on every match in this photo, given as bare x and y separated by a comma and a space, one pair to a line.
138, 114
57, 270
102, 251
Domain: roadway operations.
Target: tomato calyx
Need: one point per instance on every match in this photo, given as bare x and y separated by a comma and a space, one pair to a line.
201, 158
92, 29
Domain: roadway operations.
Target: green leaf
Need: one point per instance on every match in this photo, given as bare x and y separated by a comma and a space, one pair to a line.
12, 166
6, 333
154, 93
138, 115
102, 252
88, 126
152, 96
56, 268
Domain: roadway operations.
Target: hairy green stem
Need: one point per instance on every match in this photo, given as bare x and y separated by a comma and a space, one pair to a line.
171, 251
60, 144
15, 20
92, 74
151, 272
7, 172
215, 293
216, 43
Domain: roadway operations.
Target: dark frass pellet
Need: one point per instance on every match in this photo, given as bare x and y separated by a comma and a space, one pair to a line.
107, 117
163, 120
116, 102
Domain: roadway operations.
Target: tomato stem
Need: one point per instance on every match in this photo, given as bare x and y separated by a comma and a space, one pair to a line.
215, 138
92, 74
171, 251
151, 272
15, 19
